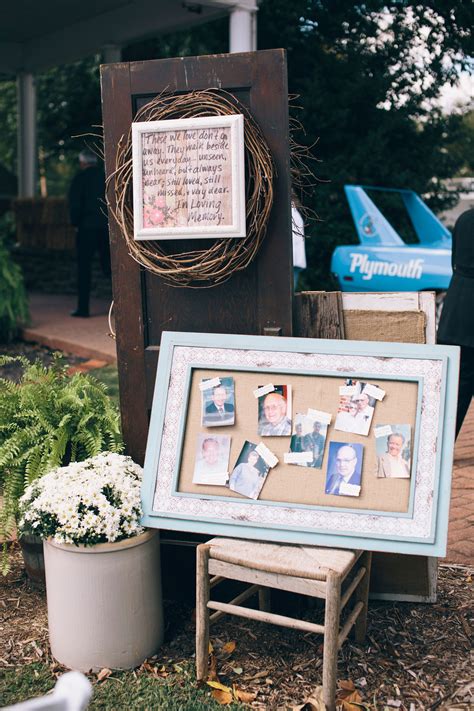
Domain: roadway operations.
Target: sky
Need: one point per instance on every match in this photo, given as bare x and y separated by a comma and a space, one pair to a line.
452, 96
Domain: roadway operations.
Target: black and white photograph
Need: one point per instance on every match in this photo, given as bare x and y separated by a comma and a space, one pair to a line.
344, 472
212, 459
393, 447
356, 408
249, 473
218, 403
274, 412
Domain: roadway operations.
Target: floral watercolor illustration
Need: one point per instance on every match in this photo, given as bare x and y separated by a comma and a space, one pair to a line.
156, 213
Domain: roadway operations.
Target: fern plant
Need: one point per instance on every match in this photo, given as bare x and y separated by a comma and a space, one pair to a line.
13, 302
47, 420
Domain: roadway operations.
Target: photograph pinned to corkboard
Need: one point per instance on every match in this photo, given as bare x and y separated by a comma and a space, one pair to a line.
409, 391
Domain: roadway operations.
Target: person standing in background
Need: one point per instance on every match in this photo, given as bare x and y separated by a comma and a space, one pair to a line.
456, 325
88, 215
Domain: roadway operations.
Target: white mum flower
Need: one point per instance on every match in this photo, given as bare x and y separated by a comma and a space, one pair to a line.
69, 503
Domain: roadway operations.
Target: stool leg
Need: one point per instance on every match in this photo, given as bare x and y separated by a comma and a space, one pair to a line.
331, 633
362, 595
264, 600
202, 612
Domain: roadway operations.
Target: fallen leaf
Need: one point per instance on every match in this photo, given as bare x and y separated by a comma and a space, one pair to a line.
237, 670
218, 685
245, 696
348, 695
354, 697
229, 647
210, 649
259, 675
346, 685
314, 702
212, 674
103, 674
347, 706
353, 702
177, 668
222, 697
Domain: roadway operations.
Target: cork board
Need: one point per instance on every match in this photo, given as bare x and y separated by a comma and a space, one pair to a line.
402, 516
188, 178
294, 484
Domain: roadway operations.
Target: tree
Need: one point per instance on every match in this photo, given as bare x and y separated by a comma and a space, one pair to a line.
367, 76
68, 106
68, 101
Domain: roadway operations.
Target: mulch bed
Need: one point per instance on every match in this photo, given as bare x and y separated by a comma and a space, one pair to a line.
417, 656
32, 352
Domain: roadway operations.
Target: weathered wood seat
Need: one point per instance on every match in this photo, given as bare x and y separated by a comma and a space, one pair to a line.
330, 574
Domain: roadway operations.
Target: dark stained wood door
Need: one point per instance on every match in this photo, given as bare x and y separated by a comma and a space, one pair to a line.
257, 300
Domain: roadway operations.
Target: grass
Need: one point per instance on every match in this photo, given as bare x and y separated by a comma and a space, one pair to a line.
134, 691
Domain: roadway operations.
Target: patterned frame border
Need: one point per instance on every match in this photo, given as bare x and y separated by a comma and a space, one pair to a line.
424, 530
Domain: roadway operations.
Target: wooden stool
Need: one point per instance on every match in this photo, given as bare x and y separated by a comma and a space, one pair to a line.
327, 573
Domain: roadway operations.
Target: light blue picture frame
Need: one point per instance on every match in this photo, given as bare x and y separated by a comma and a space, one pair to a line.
421, 530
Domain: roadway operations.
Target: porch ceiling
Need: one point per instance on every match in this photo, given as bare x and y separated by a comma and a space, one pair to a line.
35, 36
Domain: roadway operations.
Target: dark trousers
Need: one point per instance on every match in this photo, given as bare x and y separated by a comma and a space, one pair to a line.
87, 242
466, 385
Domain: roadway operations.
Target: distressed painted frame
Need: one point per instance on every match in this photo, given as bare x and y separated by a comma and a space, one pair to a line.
422, 530
238, 226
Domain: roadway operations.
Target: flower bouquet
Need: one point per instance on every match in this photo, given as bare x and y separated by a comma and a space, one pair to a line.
103, 578
85, 503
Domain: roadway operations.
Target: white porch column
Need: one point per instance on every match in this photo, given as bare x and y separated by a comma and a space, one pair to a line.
111, 53
27, 155
243, 28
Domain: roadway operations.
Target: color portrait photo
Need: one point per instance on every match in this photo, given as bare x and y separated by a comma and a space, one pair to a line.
250, 472
218, 403
356, 408
212, 459
393, 452
309, 437
343, 477
274, 412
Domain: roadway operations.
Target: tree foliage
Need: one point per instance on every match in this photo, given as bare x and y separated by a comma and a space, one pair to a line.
367, 76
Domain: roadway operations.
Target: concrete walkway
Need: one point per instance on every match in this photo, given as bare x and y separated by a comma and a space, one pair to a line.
52, 326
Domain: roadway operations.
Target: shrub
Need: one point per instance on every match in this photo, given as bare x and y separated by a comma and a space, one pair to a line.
13, 302
48, 420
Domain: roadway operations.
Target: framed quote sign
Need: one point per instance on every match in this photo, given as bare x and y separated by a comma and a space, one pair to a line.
189, 178
303, 441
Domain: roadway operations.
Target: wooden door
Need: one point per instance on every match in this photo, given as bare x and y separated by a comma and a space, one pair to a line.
257, 300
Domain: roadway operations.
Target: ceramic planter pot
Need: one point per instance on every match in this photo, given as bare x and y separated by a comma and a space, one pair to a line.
33, 558
104, 602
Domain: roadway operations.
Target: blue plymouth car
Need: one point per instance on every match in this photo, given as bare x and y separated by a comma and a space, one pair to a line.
383, 261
